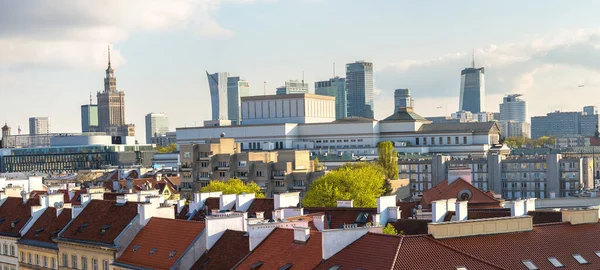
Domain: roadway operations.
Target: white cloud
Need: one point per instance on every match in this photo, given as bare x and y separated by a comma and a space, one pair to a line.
210, 28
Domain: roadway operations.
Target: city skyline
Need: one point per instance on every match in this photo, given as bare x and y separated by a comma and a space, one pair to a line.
542, 56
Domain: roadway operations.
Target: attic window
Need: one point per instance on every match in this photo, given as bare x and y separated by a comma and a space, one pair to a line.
580, 259
172, 254
104, 229
335, 267
152, 251
530, 265
286, 267
136, 247
14, 222
55, 233
256, 265
554, 261
40, 230
82, 227
362, 217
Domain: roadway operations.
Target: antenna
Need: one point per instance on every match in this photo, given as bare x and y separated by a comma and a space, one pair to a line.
473, 61
109, 55
303, 78
334, 69
90, 98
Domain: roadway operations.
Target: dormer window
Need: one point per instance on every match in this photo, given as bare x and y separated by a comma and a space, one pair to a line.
104, 229
82, 227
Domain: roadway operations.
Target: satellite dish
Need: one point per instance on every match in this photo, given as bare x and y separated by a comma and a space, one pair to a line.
58, 205
223, 135
23, 193
464, 195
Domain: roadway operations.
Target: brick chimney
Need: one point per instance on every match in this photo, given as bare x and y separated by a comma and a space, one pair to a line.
301, 235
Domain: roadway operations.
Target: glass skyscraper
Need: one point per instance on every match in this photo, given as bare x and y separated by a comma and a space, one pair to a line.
225, 95
157, 124
334, 87
402, 98
89, 118
472, 89
359, 89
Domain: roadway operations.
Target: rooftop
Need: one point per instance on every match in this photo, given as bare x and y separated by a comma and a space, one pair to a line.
405, 114
47, 227
231, 248
361, 253
14, 214
444, 191
337, 217
161, 243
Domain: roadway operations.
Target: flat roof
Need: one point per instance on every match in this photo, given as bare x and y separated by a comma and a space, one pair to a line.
288, 96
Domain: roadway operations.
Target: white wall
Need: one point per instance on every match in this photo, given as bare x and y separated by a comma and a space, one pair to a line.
216, 226
335, 240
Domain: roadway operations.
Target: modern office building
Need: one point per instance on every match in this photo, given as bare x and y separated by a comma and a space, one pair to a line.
511, 176
511, 128
410, 132
463, 116
564, 124
402, 98
514, 117
290, 108
39, 125
111, 107
335, 87
157, 124
472, 89
70, 153
164, 140
590, 110
225, 95
293, 87
89, 118
359, 89
222, 159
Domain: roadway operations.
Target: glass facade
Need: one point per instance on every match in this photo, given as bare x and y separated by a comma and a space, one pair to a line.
472, 90
359, 89
335, 87
89, 117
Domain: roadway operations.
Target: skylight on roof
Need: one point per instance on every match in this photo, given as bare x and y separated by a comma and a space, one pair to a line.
152, 251
554, 261
530, 265
136, 247
256, 265
286, 266
362, 217
82, 227
104, 228
335, 267
172, 254
2, 219
580, 259
14, 222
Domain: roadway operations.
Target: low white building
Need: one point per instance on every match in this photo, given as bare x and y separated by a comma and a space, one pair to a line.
290, 108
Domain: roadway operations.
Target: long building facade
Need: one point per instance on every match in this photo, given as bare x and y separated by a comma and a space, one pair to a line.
564, 124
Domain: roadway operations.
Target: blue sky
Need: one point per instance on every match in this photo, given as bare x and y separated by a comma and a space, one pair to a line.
52, 55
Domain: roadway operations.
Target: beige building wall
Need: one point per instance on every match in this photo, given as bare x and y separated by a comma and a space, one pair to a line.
40, 257
103, 256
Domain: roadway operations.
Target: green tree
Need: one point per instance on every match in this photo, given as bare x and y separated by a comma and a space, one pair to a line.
233, 186
167, 149
388, 160
389, 229
317, 165
361, 182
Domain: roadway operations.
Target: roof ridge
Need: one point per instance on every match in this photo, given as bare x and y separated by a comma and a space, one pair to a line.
462, 252
551, 224
178, 220
397, 253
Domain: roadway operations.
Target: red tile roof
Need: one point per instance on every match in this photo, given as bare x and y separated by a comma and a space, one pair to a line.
98, 214
183, 213
262, 205
35, 194
76, 199
212, 203
372, 251
336, 217
165, 236
14, 214
560, 240
444, 191
279, 249
48, 225
111, 196
231, 248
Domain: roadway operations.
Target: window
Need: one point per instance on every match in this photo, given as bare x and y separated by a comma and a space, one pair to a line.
530, 265
45, 261
37, 259
104, 265
465, 140
5, 249
259, 173
12, 250
84, 263
461, 268
441, 140
242, 163
579, 259
52, 263
448, 140
22, 256
74, 261
187, 155
424, 141
204, 164
417, 141
279, 184
456, 140
432, 140
222, 174
65, 259
94, 264
29, 258
555, 262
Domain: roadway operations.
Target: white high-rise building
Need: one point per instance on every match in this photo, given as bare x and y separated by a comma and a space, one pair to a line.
157, 124
514, 110
225, 95
39, 125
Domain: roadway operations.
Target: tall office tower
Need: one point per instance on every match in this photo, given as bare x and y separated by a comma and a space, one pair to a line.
335, 87
590, 110
293, 87
225, 95
402, 98
236, 89
359, 89
39, 125
111, 107
157, 124
472, 89
89, 118
514, 108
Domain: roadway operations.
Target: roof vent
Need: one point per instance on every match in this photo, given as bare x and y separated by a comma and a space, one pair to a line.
152, 251
256, 265
14, 222
136, 248
286, 266
82, 227
104, 229
172, 254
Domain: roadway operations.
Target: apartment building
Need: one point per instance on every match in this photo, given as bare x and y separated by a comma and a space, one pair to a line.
221, 159
511, 176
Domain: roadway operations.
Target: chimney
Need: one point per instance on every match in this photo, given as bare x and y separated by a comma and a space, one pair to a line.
456, 173
529, 205
384, 204
283, 200
129, 185
333, 241
85, 199
345, 204
438, 210
517, 208
243, 202
121, 199
301, 235
158, 177
319, 222
116, 185
227, 201
461, 211
260, 215
25, 196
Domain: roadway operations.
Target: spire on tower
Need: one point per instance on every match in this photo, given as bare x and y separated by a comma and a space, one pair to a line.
473, 61
109, 55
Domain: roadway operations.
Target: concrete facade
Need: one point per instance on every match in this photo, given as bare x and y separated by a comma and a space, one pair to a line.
289, 108
564, 124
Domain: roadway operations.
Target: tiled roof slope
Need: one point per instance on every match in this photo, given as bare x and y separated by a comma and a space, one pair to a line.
212, 203
166, 237
444, 191
14, 214
560, 240
98, 214
279, 249
262, 205
48, 226
231, 248
372, 251
183, 213
336, 217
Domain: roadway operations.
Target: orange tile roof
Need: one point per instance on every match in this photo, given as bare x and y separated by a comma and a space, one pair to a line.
372, 251
87, 226
444, 191
266, 205
279, 249
14, 214
169, 238
231, 248
212, 203
48, 226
